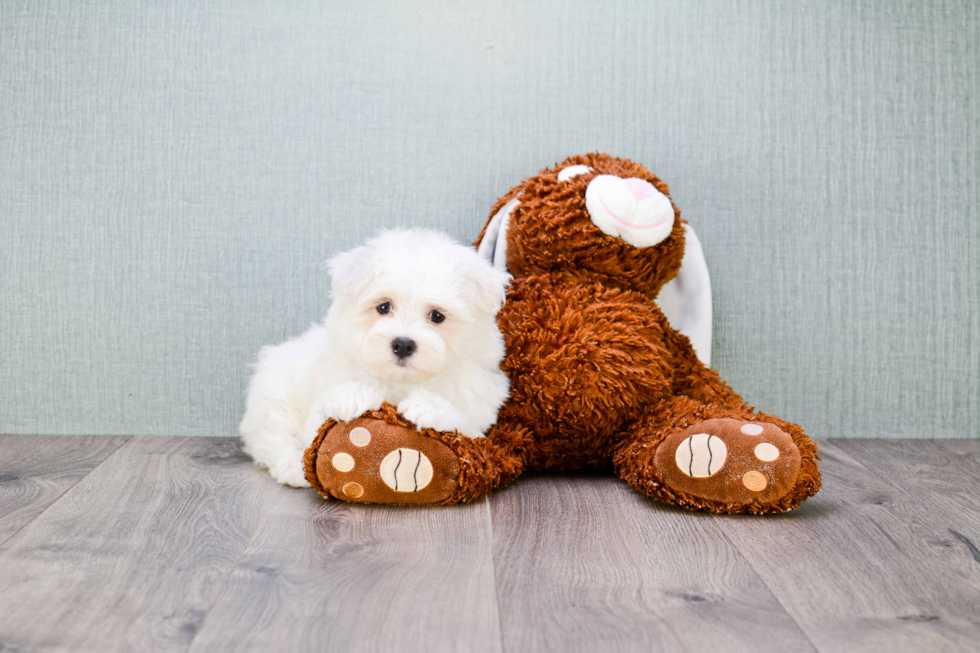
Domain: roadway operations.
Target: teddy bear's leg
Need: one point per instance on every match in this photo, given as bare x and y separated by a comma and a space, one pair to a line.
381, 458
724, 459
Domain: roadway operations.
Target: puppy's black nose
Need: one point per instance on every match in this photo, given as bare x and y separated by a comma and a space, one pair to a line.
403, 347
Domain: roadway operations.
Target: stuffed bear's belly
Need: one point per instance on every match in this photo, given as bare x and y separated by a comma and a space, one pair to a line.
584, 360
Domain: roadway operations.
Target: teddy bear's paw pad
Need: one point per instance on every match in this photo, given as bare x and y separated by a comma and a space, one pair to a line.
730, 460
371, 461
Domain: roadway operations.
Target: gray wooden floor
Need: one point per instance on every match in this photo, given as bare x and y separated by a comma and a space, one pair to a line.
177, 544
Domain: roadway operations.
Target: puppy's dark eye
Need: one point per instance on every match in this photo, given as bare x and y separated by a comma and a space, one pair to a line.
436, 317
384, 308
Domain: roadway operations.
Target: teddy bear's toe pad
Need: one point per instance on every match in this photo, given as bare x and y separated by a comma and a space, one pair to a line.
730, 460
371, 461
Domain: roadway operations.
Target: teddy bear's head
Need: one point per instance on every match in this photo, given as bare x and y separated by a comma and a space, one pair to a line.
595, 216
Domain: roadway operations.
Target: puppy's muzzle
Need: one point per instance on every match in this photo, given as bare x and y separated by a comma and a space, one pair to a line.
403, 347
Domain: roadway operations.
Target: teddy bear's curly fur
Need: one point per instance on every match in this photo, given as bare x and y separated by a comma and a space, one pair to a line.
599, 378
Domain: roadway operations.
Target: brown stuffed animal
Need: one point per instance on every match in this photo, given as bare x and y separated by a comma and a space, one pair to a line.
599, 378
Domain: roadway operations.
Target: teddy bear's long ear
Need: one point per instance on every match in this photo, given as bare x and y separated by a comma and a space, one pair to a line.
493, 247
686, 299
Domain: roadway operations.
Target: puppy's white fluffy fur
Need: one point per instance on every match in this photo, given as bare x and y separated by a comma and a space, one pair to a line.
347, 365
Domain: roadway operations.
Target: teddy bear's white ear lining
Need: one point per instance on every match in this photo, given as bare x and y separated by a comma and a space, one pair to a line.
685, 299
493, 247
573, 171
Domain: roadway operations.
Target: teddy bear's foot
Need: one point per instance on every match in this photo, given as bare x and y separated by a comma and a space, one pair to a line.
725, 464
381, 457
368, 460
731, 461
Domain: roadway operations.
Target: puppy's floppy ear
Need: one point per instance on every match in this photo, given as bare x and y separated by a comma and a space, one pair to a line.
349, 272
486, 286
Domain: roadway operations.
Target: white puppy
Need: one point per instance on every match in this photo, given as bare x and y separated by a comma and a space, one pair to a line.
413, 323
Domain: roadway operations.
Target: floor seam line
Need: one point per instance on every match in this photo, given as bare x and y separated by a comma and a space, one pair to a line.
129, 438
493, 569
233, 567
718, 520
898, 487
941, 522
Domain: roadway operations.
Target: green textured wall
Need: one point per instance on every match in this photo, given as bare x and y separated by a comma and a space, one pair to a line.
172, 176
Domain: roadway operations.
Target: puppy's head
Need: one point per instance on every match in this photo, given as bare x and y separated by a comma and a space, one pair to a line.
408, 302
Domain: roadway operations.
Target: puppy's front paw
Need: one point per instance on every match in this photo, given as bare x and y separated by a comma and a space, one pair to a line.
288, 470
347, 401
431, 411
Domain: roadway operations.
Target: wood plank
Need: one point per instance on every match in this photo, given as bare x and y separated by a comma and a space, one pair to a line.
584, 563
865, 566
966, 448
334, 576
941, 475
132, 557
35, 470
